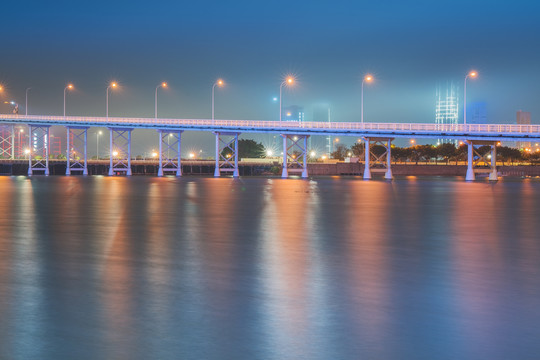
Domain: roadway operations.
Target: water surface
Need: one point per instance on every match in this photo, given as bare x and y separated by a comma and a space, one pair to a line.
330, 268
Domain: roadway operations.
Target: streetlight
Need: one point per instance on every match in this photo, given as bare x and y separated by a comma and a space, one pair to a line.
163, 85
289, 80
368, 78
15, 106
472, 74
220, 83
26, 108
70, 87
112, 85
97, 144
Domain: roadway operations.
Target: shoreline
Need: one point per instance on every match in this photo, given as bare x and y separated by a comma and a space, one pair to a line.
207, 167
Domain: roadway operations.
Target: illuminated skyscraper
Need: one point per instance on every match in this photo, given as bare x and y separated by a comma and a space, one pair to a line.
447, 108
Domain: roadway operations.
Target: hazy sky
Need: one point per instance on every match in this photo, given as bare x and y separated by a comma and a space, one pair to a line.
410, 47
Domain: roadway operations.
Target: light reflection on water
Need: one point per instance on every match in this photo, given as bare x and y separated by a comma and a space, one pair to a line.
330, 268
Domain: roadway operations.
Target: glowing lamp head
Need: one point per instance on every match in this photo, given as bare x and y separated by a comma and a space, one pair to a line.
473, 74
289, 80
1, 88
191, 155
113, 85
164, 85
115, 153
220, 82
70, 86
312, 154
154, 154
368, 78
27, 151
269, 152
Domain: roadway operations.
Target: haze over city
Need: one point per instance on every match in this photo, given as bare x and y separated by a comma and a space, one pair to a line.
410, 47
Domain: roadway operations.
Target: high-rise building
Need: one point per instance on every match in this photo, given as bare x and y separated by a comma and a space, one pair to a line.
477, 113
447, 108
523, 118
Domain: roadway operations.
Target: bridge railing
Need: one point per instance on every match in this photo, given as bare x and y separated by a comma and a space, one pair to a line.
285, 125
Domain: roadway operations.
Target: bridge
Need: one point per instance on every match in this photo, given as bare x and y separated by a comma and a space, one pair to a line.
294, 134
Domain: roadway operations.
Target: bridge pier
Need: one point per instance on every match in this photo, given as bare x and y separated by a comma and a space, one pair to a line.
38, 144
166, 162
384, 161
7, 142
294, 162
226, 141
120, 150
77, 144
479, 165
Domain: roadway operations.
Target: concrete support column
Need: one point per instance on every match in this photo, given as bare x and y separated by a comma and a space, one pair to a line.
235, 172
68, 152
285, 172
305, 171
217, 172
160, 170
367, 155
111, 150
493, 174
470, 157
30, 150
388, 174
47, 147
85, 171
128, 172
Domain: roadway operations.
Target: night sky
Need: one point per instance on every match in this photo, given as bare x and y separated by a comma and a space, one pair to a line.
410, 46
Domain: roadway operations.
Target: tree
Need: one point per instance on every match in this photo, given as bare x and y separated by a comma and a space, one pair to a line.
247, 148
446, 151
358, 149
340, 152
505, 153
462, 153
401, 154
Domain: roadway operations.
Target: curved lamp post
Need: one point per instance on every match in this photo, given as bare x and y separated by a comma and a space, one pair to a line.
219, 83
289, 80
162, 85
472, 74
368, 78
68, 87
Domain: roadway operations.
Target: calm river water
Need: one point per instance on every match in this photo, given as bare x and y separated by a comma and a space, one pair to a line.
331, 268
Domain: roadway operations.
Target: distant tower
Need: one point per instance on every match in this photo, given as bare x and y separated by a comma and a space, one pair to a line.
446, 109
477, 113
523, 118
